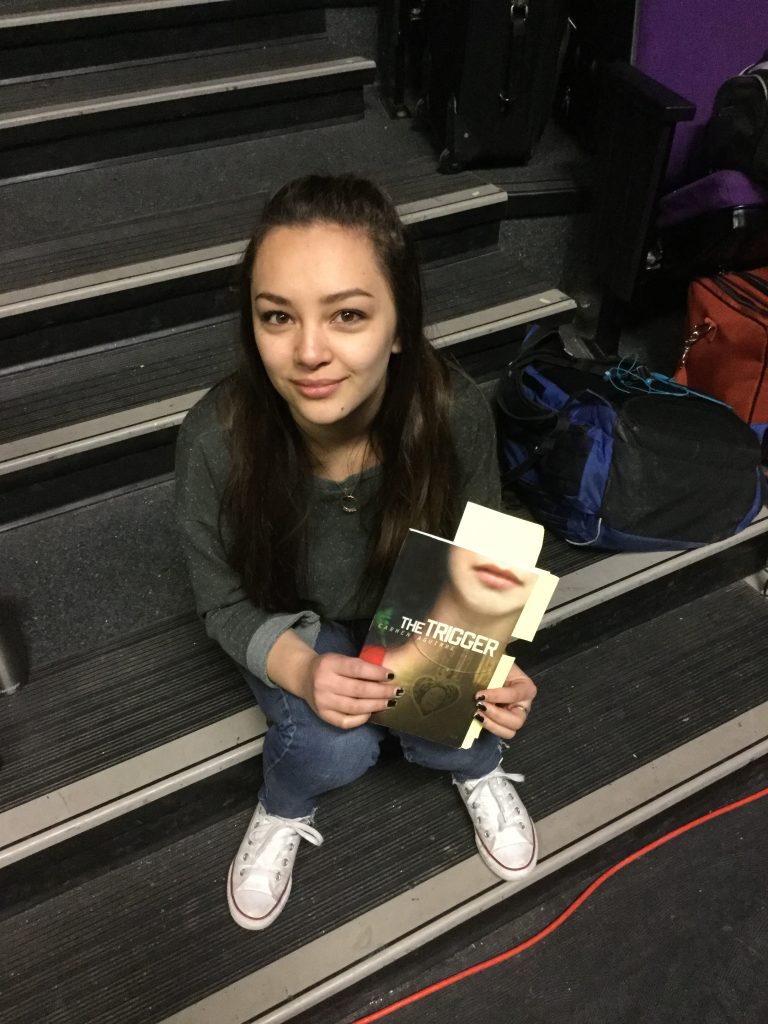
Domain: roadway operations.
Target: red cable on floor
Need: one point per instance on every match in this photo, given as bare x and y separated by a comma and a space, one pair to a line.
560, 919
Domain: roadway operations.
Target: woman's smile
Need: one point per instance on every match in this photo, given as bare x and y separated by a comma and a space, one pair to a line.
316, 389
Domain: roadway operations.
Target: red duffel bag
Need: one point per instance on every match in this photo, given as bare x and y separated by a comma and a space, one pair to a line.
726, 348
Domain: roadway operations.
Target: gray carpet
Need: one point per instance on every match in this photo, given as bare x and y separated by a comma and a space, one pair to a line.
85, 577
679, 937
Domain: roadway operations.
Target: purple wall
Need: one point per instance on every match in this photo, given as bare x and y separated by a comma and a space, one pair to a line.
692, 46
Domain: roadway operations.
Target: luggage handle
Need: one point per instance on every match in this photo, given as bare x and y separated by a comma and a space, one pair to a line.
518, 20
698, 332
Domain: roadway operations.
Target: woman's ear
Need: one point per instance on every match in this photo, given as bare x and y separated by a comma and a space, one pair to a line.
397, 348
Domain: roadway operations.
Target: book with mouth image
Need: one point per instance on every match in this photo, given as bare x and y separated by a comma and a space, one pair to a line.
443, 625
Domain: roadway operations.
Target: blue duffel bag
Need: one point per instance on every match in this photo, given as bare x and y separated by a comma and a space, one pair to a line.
609, 454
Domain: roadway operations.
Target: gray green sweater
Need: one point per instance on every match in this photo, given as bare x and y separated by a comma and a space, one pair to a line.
338, 542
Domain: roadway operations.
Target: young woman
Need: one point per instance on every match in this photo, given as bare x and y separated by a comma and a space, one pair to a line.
297, 480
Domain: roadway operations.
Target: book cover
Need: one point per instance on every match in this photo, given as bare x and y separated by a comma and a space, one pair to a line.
442, 626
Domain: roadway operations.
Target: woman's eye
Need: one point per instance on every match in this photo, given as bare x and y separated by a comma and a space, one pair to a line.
350, 316
275, 317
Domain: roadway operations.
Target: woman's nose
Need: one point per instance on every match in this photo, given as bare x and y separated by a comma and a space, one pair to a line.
311, 346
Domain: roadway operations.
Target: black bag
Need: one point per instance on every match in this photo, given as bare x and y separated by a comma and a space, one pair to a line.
599, 31
737, 132
611, 455
489, 76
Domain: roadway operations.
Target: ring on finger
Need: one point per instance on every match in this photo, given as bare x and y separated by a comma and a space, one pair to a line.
524, 708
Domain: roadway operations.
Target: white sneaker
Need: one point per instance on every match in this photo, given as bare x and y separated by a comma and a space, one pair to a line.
259, 881
504, 832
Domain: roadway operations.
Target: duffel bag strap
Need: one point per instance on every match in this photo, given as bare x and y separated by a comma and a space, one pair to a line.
544, 447
513, 402
536, 349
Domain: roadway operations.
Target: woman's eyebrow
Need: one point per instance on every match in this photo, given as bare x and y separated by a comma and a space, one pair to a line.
348, 294
271, 297
335, 297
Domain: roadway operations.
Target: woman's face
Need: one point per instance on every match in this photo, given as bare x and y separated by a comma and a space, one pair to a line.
325, 323
485, 587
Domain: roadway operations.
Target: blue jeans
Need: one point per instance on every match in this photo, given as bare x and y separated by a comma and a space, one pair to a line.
305, 756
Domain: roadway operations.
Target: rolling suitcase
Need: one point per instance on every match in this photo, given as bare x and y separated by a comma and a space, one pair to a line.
490, 74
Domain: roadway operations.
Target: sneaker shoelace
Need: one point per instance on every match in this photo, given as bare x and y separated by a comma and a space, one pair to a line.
490, 797
275, 838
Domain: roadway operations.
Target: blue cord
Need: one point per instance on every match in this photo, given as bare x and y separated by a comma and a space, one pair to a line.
629, 377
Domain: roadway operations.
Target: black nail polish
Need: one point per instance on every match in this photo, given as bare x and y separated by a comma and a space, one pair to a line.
390, 675
480, 706
392, 703
479, 718
399, 691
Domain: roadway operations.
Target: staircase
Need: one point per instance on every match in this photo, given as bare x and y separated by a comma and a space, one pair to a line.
138, 141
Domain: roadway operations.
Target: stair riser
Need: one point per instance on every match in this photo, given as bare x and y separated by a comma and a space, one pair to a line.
157, 127
78, 326
82, 479
485, 358
100, 42
546, 200
470, 232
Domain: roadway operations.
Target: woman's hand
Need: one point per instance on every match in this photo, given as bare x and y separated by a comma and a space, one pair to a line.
346, 691
341, 690
504, 709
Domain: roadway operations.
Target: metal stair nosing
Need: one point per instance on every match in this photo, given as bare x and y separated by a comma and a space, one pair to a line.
19, 14
97, 433
56, 816
545, 304
600, 582
72, 10
29, 112
601, 600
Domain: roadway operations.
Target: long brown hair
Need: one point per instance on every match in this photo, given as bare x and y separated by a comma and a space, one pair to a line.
266, 510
